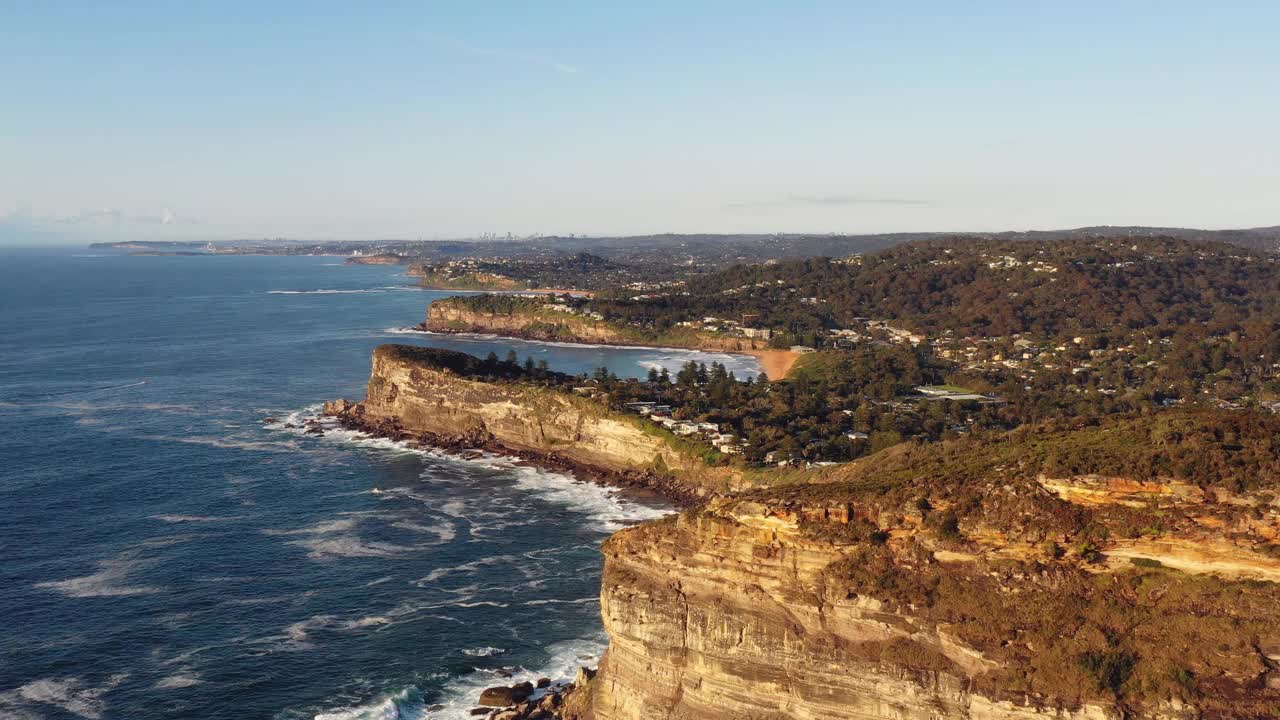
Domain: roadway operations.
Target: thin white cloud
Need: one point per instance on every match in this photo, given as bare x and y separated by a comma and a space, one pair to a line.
824, 200
523, 57
165, 217
104, 216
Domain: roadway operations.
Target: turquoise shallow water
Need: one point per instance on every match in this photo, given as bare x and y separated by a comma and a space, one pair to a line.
164, 554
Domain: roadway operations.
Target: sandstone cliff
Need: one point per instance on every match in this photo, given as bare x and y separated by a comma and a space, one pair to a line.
534, 323
374, 260
412, 392
741, 611
946, 581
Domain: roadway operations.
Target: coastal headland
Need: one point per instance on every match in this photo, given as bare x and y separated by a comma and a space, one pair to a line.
529, 319
983, 578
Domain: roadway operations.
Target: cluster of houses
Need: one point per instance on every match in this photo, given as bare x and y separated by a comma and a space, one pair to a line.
732, 327
1004, 262
943, 392
561, 306
895, 333
726, 443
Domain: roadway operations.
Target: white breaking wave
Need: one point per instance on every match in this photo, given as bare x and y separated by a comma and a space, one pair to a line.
364, 622
324, 292
337, 539
483, 651
180, 680
109, 581
400, 706
464, 568
225, 443
552, 601
608, 508
742, 365
462, 694
444, 531
68, 694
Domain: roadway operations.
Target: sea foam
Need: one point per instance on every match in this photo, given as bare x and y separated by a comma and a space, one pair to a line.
607, 509
324, 292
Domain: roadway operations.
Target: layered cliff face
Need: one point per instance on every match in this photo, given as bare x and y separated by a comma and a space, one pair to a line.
457, 315
408, 395
742, 611
1002, 578
728, 614
444, 315
431, 277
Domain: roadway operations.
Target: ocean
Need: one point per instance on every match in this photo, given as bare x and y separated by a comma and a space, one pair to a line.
164, 553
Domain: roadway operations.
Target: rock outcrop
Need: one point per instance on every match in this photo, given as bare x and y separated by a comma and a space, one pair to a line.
728, 613
938, 582
412, 398
451, 315
374, 260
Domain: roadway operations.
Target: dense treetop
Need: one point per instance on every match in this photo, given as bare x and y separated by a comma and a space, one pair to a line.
987, 288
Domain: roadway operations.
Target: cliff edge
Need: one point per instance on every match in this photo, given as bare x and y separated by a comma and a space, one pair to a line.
1114, 569
443, 398
535, 319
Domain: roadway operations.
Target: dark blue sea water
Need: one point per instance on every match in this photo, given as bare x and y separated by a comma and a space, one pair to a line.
164, 554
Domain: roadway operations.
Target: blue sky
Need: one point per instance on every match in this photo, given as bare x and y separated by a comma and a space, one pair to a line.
452, 119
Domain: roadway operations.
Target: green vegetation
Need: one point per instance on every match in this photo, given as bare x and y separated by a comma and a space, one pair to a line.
1131, 638
1053, 330
580, 271
1142, 366
986, 288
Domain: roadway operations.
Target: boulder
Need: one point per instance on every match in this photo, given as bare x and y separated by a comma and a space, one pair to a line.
502, 696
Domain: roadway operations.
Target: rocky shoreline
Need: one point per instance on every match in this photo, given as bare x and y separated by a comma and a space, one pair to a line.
351, 416
537, 701
521, 334
523, 701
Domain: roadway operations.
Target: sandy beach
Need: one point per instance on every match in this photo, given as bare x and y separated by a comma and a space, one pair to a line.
776, 363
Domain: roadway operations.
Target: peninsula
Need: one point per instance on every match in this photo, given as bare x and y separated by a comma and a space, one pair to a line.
1001, 481
1120, 568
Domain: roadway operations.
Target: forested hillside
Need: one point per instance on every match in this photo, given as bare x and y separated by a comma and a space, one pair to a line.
987, 288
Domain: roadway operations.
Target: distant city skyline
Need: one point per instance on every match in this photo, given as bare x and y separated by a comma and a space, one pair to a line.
324, 121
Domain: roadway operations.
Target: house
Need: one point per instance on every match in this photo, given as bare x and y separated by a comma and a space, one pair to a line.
857, 436
802, 349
